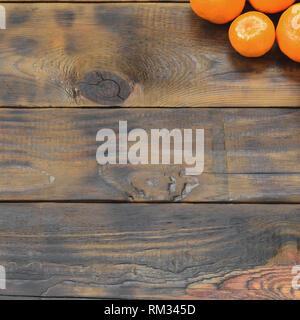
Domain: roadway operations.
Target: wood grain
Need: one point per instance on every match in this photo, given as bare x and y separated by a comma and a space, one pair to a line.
104, 1
135, 55
251, 155
178, 251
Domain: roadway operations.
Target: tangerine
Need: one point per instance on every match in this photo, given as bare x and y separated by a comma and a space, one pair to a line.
218, 11
252, 34
288, 32
271, 6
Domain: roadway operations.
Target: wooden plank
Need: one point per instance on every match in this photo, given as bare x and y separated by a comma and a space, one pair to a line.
110, 1
251, 155
150, 250
151, 55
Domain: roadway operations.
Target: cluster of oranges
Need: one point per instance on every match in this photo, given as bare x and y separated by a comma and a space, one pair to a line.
253, 34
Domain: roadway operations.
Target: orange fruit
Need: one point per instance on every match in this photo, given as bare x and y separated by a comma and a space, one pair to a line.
271, 6
288, 32
218, 11
252, 34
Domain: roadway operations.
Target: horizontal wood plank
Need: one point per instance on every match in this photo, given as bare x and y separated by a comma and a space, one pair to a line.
137, 55
95, 1
251, 155
195, 251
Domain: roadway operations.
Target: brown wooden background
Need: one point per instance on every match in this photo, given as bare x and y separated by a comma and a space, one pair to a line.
69, 228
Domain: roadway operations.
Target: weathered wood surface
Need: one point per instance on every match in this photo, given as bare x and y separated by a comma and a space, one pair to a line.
147, 55
144, 55
251, 155
150, 250
95, 1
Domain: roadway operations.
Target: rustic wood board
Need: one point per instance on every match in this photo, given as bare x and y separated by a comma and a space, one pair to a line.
95, 1
145, 55
150, 250
251, 155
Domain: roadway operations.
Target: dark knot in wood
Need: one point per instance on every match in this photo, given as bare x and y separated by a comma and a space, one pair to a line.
104, 88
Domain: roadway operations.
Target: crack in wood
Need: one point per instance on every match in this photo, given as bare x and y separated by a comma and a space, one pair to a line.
104, 88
